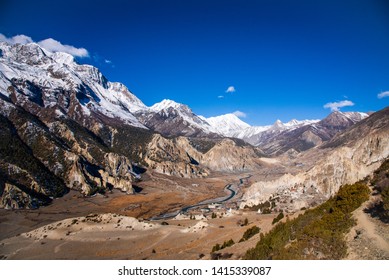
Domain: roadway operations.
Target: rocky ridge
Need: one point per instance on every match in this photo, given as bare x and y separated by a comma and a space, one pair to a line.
349, 157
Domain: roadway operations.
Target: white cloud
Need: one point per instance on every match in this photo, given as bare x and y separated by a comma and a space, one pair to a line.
48, 44
220, 96
56, 46
18, 39
107, 61
230, 89
239, 114
383, 94
334, 106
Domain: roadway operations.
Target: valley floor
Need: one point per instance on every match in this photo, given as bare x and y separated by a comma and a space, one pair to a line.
52, 233
109, 239
67, 230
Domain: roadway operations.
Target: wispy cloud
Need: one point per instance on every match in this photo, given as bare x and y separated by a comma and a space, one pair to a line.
334, 106
49, 44
383, 94
108, 61
56, 46
230, 89
239, 114
18, 39
220, 96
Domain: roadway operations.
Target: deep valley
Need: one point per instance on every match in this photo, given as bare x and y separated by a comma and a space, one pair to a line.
87, 171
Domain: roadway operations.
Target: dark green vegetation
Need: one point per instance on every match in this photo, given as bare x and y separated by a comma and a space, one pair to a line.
250, 233
225, 244
380, 183
26, 169
316, 234
131, 142
278, 218
246, 222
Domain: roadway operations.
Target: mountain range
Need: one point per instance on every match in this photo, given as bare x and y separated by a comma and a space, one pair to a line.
65, 126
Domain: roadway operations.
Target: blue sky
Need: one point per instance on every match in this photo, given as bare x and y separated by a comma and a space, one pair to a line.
284, 58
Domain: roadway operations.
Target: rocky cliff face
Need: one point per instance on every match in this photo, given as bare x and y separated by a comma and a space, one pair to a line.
174, 157
229, 156
58, 131
349, 157
40, 161
185, 158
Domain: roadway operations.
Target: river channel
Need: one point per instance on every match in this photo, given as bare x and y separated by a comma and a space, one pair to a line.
228, 188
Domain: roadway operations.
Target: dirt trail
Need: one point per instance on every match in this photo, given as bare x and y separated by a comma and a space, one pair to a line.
369, 238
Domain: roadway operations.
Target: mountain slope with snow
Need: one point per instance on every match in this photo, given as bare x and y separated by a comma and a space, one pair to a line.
174, 119
55, 80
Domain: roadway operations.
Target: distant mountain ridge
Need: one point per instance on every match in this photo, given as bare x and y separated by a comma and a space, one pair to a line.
307, 135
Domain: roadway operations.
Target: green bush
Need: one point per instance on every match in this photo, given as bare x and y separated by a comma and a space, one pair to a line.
250, 233
215, 248
246, 222
225, 244
278, 218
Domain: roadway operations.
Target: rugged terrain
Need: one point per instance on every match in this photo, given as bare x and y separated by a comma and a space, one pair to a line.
83, 160
346, 158
65, 127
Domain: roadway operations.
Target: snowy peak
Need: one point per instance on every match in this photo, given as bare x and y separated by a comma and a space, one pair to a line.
231, 126
167, 103
340, 119
174, 119
278, 125
292, 124
171, 108
356, 116
125, 97
227, 125
63, 58
31, 53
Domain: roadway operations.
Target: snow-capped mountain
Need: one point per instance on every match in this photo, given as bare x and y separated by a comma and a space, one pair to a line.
341, 120
307, 134
230, 125
257, 135
227, 125
167, 103
174, 119
56, 81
